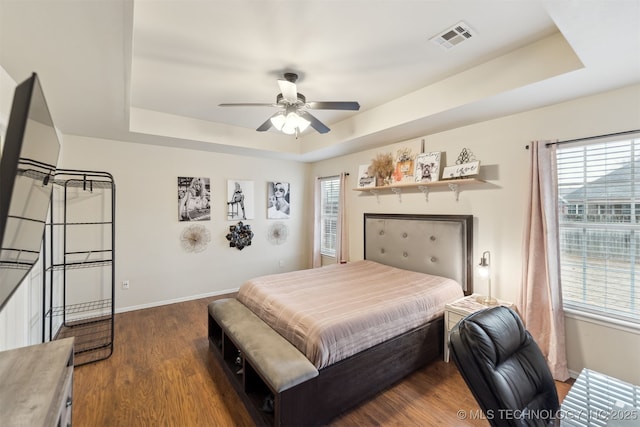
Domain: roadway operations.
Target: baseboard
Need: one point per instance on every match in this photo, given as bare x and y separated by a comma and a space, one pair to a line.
173, 301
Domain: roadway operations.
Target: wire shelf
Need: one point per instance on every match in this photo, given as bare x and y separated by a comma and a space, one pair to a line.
81, 264
81, 308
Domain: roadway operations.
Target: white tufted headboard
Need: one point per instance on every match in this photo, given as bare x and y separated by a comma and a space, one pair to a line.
441, 245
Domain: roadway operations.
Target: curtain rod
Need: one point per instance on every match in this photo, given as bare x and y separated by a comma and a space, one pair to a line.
332, 176
590, 137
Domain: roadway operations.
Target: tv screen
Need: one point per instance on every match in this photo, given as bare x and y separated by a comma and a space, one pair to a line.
29, 160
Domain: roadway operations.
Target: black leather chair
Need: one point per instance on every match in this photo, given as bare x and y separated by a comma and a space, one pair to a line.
504, 368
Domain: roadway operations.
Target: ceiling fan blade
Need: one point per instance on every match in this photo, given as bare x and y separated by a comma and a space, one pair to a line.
354, 106
267, 125
288, 90
315, 123
247, 104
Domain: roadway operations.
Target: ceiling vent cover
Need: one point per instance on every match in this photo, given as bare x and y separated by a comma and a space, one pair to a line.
454, 36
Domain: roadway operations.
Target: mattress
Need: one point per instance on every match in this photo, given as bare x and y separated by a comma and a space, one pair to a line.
333, 312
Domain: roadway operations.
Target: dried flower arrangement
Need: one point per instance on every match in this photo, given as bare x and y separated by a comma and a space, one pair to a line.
382, 167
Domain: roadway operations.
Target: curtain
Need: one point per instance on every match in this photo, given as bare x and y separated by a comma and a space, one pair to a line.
342, 237
540, 300
316, 260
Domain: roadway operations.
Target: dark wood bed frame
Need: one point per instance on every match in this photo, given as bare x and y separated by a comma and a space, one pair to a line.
413, 242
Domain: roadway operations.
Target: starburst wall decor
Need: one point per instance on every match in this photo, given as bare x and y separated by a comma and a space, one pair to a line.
195, 238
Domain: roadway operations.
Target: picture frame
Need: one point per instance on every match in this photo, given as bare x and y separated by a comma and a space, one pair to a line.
461, 170
427, 167
364, 179
404, 168
240, 196
278, 200
194, 199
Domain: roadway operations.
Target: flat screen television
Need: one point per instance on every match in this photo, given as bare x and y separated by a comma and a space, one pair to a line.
29, 160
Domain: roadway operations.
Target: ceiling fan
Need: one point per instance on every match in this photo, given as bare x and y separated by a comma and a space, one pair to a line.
294, 116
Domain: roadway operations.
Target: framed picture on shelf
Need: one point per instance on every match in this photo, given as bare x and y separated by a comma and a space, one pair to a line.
428, 167
364, 179
404, 166
461, 170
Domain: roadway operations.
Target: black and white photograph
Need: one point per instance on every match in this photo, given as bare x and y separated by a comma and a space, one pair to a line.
194, 199
278, 200
240, 200
428, 167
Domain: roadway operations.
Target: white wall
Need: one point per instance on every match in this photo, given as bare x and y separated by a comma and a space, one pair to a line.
499, 205
148, 251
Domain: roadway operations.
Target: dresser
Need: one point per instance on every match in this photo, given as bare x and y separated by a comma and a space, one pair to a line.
36, 384
457, 310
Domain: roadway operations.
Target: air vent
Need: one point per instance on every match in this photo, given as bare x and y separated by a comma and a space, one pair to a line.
453, 36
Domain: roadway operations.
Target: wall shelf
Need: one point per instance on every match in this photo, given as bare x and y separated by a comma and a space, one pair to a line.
425, 187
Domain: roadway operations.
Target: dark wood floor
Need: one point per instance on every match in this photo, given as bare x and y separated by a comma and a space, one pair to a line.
162, 373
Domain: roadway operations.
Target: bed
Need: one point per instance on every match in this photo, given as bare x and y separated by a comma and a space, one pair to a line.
313, 366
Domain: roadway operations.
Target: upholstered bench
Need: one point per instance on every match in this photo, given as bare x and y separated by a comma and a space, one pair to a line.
279, 364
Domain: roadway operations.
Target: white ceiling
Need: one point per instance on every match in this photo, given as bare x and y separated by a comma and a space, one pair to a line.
154, 72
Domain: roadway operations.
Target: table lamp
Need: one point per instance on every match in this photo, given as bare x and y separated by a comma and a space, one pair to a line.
484, 270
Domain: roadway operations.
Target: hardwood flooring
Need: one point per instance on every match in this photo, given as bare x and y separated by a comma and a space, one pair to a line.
162, 373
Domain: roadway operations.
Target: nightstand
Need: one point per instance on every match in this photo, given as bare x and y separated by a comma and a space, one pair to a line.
457, 310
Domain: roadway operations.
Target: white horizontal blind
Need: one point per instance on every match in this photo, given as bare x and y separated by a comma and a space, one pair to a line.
330, 190
599, 220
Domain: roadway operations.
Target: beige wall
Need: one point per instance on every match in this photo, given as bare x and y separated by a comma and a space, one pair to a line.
499, 205
148, 251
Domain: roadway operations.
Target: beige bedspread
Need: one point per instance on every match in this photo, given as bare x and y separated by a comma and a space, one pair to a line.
333, 312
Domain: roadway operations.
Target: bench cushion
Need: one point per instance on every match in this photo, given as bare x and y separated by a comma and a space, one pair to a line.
276, 360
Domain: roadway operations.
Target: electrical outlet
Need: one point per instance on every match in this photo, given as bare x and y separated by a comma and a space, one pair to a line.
281, 263
125, 284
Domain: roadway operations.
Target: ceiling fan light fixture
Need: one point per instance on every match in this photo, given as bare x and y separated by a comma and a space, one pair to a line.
278, 121
302, 123
289, 123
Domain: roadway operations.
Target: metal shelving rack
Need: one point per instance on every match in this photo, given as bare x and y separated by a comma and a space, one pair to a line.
79, 264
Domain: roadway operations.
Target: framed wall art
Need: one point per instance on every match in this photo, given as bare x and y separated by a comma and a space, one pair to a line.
404, 167
364, 179
461, 170
240, 200
194, 199
428, 167
278, 200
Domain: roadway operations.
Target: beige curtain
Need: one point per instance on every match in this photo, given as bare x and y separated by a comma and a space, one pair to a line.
540, 301
342, 238
316, 260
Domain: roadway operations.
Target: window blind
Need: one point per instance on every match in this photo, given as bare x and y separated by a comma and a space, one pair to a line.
599, 227
330, 192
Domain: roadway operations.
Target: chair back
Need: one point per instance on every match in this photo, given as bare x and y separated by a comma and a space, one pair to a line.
504, 368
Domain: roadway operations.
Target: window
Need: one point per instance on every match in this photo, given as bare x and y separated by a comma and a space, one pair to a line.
330, 193
599, 227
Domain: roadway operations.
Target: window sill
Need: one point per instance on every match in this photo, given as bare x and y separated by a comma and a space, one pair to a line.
608, 322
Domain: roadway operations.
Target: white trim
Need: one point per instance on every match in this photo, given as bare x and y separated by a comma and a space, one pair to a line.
173, 301
607, 322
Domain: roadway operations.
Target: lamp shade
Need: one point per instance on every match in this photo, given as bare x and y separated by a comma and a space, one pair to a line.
485, 272
289, 122
278, 121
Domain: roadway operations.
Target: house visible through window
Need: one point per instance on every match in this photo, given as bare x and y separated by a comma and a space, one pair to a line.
599, 220
330, 193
